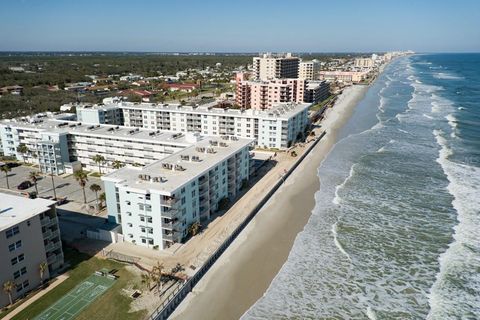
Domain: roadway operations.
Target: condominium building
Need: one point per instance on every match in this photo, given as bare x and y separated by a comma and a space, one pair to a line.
156, 204
99, 114
65, 146
263, 95
343, 76
308, 70
277, 127
30, 237
316, 91
364, 63
270, 66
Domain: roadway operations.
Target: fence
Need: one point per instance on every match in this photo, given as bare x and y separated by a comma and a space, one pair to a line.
176, 297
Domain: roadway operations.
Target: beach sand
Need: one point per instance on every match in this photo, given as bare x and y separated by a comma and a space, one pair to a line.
244, 272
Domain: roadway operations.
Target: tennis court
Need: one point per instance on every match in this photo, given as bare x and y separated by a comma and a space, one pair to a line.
70, 305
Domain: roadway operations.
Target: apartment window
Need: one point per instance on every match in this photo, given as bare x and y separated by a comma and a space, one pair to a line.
184, 211
183, 200
12, 231
193, 193
17, 259
183, 190
142, 229
147, 196
148, 208
15, 246
142, 218
150, 241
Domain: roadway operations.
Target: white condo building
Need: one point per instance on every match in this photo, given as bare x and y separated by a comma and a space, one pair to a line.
270, 66
156, 204
308, 70
30, 237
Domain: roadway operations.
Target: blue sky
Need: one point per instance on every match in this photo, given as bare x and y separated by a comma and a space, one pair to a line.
240, 25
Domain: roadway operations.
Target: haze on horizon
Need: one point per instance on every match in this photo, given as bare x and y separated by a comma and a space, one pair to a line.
240, 26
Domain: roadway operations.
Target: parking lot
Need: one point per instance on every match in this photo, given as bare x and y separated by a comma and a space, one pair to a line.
66, 186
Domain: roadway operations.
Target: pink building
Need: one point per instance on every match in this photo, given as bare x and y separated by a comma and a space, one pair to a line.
265, 94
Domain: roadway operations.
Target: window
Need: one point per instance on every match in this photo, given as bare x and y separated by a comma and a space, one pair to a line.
142, 218
17, 259
149, 219
148, 207
12, 231
15, 246
147, 196
143, 229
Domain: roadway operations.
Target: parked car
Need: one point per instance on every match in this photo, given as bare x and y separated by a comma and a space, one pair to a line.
24, 185
61, 200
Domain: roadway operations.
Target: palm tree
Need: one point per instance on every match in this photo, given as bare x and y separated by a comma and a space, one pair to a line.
95, 188
23, 150
6, 169
156, 274
81, 177
102, 197
147, 279
117, 164
8, 288
33, 176
53, 187
42, 268
99, 159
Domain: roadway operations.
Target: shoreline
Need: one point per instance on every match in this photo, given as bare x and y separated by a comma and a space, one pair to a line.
246, 269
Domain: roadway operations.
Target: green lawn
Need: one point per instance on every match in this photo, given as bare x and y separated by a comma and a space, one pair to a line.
111, 305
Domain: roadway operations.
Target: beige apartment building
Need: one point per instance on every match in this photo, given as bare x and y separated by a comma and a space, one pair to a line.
308, 70
275, 66
30, 236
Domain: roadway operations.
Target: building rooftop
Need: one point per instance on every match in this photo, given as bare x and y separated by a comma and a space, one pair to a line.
282, 110
171, 173
15, 209
103, 130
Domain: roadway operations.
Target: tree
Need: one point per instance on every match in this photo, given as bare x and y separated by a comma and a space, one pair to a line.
95, 188
8, 288
194, 228
102, 198
157, 273
6, 169
42, 268
117, 164
82, 178
98, 159
33, 176
23, 150
147, 279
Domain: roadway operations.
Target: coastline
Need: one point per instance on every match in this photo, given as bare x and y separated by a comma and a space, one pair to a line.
243, 274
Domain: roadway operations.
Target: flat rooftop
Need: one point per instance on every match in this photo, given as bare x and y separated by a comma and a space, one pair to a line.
281, 111
173, 172
15, 209
102, 130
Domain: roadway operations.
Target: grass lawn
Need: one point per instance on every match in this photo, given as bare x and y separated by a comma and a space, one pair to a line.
111, 305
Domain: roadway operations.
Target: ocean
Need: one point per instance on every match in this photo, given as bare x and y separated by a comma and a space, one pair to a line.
395, 233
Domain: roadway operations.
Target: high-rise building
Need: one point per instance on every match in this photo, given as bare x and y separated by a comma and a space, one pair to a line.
308, 70
275, 66
30, 237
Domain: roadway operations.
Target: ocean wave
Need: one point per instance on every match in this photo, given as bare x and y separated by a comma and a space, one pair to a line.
447, 76
337, 243
427, 116
457, 284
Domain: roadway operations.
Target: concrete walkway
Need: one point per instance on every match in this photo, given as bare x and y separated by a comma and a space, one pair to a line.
37, 296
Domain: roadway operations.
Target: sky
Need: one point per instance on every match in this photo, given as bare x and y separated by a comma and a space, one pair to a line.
240, 25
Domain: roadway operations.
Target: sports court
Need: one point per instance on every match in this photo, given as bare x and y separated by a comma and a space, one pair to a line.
70, 305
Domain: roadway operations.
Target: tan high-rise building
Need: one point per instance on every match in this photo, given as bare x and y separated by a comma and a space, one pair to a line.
275, 66
29, 236
364, 62
309, 70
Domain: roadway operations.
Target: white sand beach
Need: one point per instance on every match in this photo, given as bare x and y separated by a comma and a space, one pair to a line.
244, 272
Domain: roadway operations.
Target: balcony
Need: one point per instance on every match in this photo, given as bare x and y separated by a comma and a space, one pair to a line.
170, 213
172, 225
45, 221
170, 237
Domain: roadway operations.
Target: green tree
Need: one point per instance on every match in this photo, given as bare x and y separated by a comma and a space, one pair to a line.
102, 198
23, 150
43, 266
95, 188
157, 275
117, 164
8, 288
99, 159
33, 176
82, 178
6, 169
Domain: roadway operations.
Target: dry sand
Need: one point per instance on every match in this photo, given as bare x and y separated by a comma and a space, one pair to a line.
244, 272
